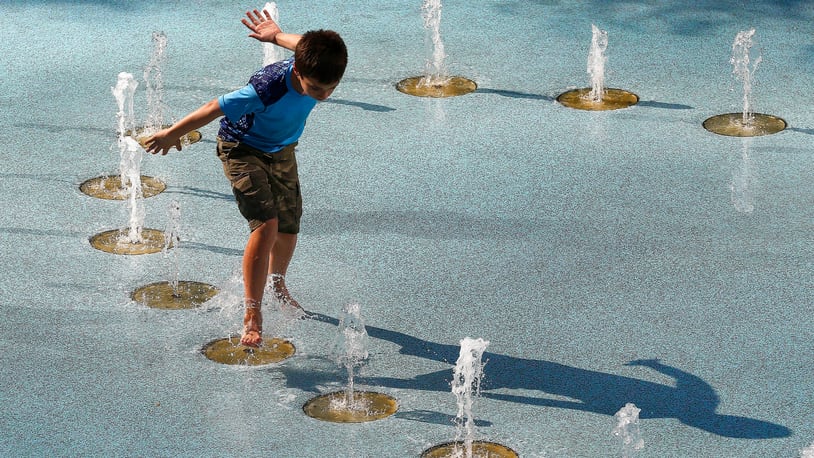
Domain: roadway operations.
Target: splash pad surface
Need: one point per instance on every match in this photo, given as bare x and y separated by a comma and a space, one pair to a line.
609, 257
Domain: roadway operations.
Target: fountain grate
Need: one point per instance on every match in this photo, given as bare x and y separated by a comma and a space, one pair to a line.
231, 351
612, 99
732, 125
115, 241
366, 406
111, 188
449, 87
479, 449
162, 295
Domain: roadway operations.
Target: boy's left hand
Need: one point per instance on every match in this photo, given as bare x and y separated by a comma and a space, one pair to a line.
161, 142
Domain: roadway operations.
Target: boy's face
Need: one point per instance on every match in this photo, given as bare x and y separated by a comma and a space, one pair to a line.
313, 88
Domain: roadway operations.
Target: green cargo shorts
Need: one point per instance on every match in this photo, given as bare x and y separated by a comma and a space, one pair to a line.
266, 186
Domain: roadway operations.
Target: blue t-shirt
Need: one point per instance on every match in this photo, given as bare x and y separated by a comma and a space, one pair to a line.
268, 113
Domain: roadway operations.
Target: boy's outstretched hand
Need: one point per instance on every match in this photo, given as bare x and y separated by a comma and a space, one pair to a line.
161, 142
262, 26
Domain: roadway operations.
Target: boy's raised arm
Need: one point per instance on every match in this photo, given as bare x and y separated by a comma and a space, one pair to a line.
265, 29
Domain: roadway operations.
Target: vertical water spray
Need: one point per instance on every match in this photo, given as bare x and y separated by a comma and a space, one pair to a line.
350, 351
271, 52
154, 80
130, 154
436, 72
466, 378
350, 348
596, 63
744, 69
119, 187
172, 242
466, 382
124, 93
746, 123
597, 97
174, 294
627, 429
436, 81
131, 174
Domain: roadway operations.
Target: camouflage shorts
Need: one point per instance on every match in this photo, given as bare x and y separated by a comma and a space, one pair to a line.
266, 186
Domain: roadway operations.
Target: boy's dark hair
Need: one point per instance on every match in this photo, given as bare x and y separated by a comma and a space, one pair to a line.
321, 55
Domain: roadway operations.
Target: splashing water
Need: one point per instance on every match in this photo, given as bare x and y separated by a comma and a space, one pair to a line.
435, 73
596, 63
744, 70
124, 92
271, 52
466, 378
807, 452
130, 153
627, 428
742, 179
172, 241
350, 348
154, 80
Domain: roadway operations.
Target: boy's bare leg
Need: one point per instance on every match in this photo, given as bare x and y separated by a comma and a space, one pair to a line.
255, 267
281, 254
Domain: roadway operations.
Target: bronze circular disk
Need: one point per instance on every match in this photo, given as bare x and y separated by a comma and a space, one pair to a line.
453, 86
732, 125
612, 99
231, 351
479, 449
367, 406
110, 187
115, 241
186, 295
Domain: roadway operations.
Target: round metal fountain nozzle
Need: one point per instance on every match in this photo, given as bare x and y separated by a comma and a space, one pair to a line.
733, 125
479, 448
111, 188
115, 241
231, 351
162, 295
365, 406
612, 99
449, 87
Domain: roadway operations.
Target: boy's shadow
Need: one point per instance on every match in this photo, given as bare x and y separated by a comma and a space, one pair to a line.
692, 401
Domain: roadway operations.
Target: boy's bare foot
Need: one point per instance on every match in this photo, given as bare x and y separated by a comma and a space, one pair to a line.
283, 298
280, 293
252, 327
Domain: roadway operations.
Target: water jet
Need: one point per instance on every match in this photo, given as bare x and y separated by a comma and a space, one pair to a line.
597, 97
349, 405
435, 82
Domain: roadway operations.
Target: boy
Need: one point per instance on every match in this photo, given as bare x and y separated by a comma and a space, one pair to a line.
261, 125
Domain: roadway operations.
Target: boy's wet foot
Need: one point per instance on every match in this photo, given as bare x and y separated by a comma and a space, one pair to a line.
252, 327
282, 297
